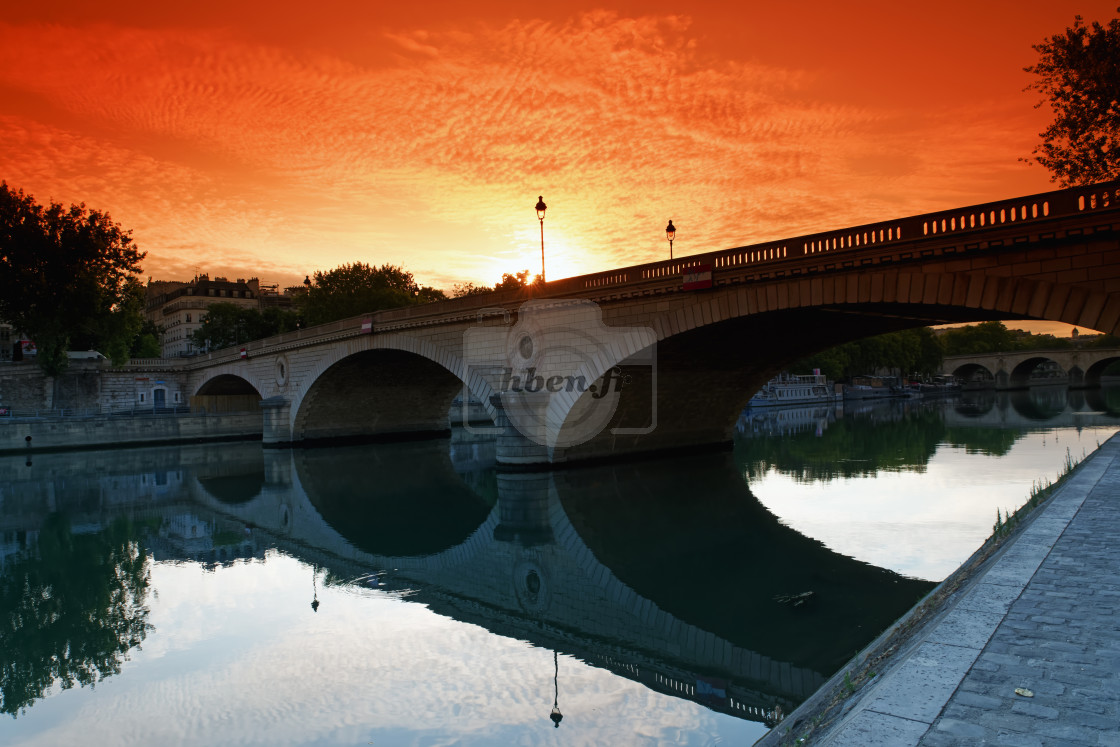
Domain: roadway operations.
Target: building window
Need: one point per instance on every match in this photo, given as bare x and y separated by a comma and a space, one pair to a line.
188, 317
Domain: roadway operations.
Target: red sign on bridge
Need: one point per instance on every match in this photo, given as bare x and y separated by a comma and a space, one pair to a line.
697, 277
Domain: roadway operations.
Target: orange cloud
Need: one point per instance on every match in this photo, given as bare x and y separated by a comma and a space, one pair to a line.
221, 148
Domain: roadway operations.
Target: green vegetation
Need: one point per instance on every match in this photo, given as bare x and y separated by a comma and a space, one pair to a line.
70, 279
1040, 491
73, 606
995, 337
509, 281
850, 447
227, 324
911, 351
1078, 75
350, 290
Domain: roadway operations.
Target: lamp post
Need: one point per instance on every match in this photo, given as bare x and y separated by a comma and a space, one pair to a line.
670, 233
541, 207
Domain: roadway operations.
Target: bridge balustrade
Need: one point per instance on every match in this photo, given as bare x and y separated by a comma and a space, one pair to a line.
1048, 205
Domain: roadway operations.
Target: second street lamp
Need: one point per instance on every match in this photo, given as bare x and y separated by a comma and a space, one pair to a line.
541, 207
670, 233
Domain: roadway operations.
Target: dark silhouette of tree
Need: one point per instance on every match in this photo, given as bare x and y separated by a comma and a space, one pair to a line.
909, 351
70, 276
227, 324
350, 290
1079, 77
995, 337
146, 344
512, 281
978, 339
71, 608
509, 281
469, 289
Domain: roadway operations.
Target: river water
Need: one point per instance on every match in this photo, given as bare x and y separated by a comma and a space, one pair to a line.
402, 594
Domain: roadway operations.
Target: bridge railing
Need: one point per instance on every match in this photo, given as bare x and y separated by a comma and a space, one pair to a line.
1063, 203
983, 217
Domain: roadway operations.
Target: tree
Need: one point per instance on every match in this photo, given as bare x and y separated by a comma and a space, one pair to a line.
468, 289
350, 290
227, 324
74, 605
513, 281
68, 274
146, 344
909, 351
1079, 76
509, 281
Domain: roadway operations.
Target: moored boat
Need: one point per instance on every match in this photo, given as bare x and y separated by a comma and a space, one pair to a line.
790, 389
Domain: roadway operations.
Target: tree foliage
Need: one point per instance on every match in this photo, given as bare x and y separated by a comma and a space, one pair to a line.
227, 324
1078, 75
908, 352
146, 344
995, 337
70, 278
73, 606
512, 281
353, 289
509, 281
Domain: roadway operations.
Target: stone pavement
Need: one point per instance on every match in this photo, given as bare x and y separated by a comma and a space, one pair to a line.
1043, 617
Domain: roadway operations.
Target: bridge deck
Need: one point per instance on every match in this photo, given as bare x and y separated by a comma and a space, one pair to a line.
1041, 617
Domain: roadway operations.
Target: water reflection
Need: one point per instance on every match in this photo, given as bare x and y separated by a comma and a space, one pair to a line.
669, 573
75, 602
823, 443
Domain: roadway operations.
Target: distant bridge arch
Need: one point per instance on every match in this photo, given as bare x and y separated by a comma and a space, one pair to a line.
1083, 366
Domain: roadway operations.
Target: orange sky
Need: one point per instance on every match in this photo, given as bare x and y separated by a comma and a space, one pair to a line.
276, 139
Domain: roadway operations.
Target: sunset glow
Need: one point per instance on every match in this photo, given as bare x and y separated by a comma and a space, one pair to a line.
276, 140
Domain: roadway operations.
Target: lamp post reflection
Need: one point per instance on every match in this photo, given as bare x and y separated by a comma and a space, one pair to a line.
556, 716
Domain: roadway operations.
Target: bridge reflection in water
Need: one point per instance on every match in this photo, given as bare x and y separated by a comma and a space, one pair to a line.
668, 573
665, 572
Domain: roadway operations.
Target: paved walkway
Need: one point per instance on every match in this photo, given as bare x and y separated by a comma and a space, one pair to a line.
1043, 617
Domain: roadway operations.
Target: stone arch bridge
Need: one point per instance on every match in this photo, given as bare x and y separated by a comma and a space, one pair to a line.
665, 355
1083, 367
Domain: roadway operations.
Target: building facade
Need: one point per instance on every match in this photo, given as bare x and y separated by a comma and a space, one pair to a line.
178, 308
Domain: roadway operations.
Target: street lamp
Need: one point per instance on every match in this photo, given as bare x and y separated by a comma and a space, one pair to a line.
541, 207
670, 233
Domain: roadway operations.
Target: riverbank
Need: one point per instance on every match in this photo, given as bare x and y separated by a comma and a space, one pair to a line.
28, 435
1018, 646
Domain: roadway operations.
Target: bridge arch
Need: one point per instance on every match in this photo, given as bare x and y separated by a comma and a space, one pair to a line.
1094, 372
974, 373
227, 392
1021, 374
715, 348
393, 386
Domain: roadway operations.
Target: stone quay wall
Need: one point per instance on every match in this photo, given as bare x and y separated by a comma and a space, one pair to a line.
37, 434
